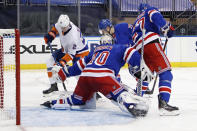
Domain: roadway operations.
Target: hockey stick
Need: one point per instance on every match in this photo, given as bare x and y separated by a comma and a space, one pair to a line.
140, 81
152, 90
49, 44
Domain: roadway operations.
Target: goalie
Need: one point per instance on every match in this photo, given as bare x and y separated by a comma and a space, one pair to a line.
98, 74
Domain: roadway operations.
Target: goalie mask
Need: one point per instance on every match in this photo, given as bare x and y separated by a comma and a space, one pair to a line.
106, 39
63, 21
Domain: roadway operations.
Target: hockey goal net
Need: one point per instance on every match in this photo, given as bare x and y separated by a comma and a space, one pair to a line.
9, 76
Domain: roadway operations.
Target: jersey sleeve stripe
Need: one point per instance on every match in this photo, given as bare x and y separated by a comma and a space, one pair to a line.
134, 36
148, 38
151, 12
81, 64
128, 53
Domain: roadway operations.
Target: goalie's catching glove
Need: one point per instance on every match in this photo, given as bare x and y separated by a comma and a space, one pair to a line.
59, 73
147, 74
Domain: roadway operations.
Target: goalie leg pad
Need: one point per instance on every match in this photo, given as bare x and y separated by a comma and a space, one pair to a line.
133, 104
75, 100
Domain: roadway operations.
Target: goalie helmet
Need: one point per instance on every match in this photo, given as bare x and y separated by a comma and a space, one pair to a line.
63, 21
143, 6
106, 39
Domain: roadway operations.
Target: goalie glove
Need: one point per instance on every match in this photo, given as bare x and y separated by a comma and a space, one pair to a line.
147, 74
168, 30
59, 73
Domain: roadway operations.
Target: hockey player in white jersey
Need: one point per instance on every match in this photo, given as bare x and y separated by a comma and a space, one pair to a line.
72, 46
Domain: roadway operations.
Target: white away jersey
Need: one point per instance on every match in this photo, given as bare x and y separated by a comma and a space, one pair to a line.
72, 40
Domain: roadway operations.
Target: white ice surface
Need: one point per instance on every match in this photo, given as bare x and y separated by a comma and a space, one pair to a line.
106, 117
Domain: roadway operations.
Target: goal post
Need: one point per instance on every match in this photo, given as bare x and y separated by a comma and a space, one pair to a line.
10, 75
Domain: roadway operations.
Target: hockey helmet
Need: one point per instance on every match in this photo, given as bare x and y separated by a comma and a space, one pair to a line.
63, 21
143, 6
106, 39
103, 24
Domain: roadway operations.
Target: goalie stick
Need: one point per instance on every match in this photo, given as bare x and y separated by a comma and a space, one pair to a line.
49, 44
140, 81
150, 92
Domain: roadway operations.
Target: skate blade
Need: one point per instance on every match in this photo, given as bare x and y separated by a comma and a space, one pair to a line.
46, 105
163, 112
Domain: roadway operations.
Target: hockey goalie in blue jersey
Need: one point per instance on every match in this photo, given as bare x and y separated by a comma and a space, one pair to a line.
98, 73
152, 22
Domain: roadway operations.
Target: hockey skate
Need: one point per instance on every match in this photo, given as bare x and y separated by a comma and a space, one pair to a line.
166, 109
51, 89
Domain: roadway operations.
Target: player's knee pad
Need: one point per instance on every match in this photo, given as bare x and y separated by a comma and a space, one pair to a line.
166, 76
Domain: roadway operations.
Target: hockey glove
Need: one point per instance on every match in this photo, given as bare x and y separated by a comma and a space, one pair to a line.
133, 70
49, 37
147, 74
59, 73
168, 30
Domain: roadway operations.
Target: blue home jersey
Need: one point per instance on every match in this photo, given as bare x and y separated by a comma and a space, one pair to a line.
123, 33
152, 21
106, 60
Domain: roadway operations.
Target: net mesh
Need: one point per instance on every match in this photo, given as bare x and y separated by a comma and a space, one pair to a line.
7, 75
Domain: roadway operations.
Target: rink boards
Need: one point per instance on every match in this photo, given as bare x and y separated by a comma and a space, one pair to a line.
181, 51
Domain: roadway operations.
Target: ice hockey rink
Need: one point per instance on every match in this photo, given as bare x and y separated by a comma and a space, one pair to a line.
106, 117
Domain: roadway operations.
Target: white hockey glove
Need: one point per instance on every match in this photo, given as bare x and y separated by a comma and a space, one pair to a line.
147, 74
59, 73
168, 30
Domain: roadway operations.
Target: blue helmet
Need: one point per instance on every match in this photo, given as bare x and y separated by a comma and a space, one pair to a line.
143, 6
104, 23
